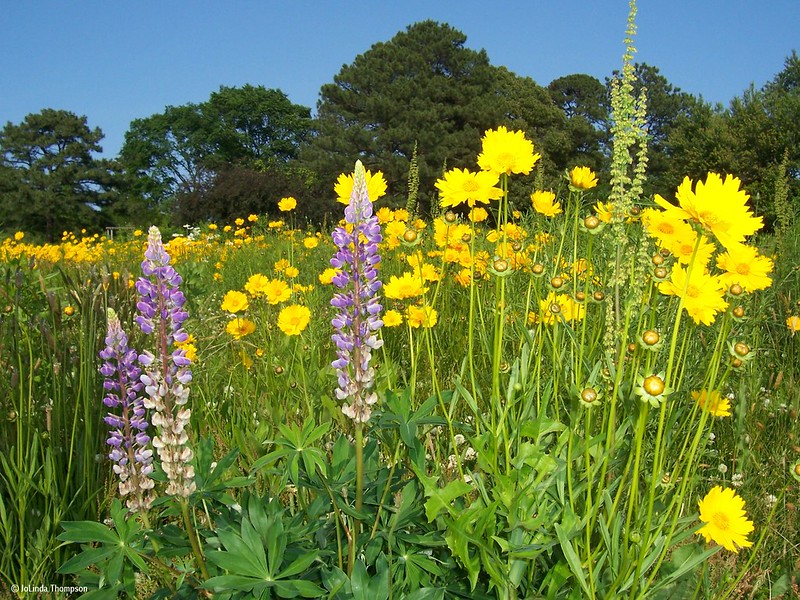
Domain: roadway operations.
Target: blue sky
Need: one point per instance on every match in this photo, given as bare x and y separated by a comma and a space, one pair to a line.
117, 61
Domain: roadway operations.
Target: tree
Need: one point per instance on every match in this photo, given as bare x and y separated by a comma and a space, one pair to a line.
422, 87
181, 152
584, 102
50, 179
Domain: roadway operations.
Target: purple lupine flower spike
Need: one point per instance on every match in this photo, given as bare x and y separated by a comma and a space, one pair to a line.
358, 318
128, 439
166, 373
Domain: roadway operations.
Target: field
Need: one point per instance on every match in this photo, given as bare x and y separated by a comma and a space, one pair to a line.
528, 393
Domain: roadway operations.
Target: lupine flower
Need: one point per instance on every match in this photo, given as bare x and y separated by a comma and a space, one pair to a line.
167, 374
358, 316
128, 439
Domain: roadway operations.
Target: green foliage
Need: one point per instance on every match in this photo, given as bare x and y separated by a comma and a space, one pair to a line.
50, 180
423, 87
176, 157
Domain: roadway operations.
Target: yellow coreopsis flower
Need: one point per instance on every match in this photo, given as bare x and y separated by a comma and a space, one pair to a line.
478, 214
745, 266
424, 316
545, 203
604, 211
713, 402
310, 242
257, 284
460, 186
703, 295
239, 328
239, 222
582, 178
287, 204
252, 218
277, 291
384, 214
793, 323
326, 277
234, 302
392, 318
688, 251
725, 519
716, 204
293, 319
376, 187
408, 285
506, 152
19, 235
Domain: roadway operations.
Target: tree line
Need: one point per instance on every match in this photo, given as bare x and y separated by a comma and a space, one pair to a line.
422, 95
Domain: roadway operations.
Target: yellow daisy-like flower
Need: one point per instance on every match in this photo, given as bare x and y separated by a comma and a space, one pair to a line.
478, 214
401, 214
277, 291
719, 206
545, 203
19, 235
384, 215
684, 249
392, 318
604, 211
252, 218
582, 178
461, 186
291, 271
408, 285
310, 242
793, 323
422, 316
665, 227
725, 519
239, 222
287, 204
293, 319
239, 328
713, 402
257, 284
506, 152
376, 187
234, 302
703, 295
745, 266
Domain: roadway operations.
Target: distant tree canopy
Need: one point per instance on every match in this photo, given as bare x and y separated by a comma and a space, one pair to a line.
49, 179
423, 88
177, 156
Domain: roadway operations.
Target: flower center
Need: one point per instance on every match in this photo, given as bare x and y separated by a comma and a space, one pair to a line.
666, 228
721, 521
470, 185
743, 269
693, 291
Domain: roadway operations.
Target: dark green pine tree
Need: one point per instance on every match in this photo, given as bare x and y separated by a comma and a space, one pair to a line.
422, 87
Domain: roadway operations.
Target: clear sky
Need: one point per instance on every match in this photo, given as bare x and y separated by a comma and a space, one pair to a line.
115, 61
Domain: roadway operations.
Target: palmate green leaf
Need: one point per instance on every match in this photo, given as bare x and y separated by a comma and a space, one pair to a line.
81, 532
225, 583
299, 565
87, 558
